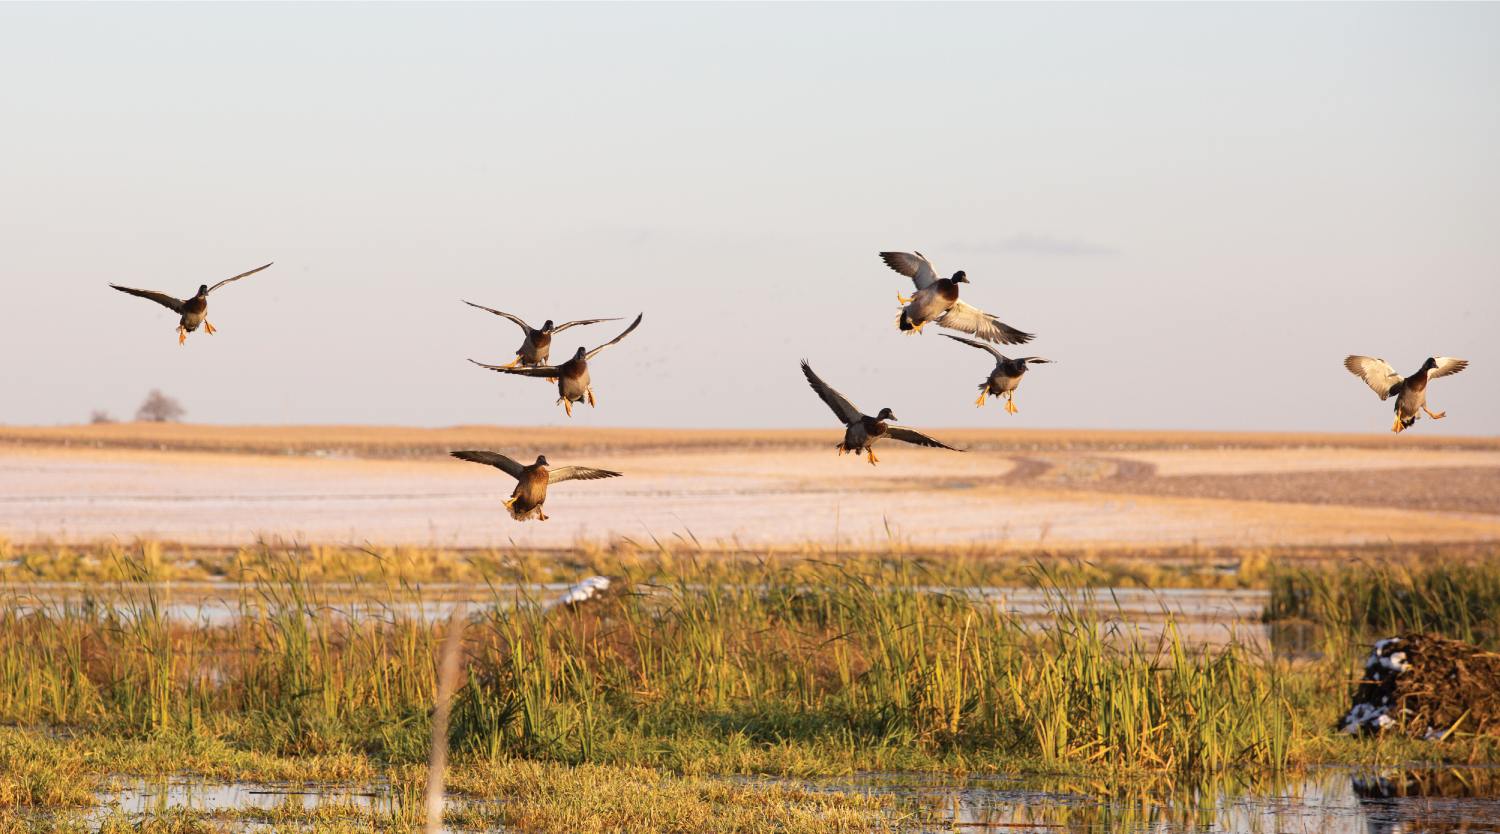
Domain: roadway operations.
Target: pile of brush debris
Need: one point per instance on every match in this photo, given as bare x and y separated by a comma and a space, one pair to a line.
1427, 686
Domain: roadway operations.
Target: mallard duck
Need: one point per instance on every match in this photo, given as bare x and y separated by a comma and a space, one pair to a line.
936, 299
861, 430
532, 481
193, 310
1006, 378
538, 342
1411, 392
572, 376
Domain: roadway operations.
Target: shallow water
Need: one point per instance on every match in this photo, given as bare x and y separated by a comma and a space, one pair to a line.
1202, 617
138, 797
1327, 801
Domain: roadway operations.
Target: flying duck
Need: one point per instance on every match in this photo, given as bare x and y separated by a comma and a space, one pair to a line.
532, 481
936, 299
538, 342
193, 310
1411, 392
860, 430
572, 376
1005, 378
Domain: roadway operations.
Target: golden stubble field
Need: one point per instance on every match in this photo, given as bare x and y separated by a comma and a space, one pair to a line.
224, 485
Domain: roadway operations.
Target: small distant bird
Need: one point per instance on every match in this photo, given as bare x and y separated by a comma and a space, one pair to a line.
193, 310
936, 299
1411, 392
538, 342
860, 430
532, 481
1005, 378
572, 376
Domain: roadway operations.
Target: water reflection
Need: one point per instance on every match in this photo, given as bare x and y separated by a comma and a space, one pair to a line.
1326, 801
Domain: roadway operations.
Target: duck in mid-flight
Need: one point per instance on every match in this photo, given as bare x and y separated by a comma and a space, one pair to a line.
573, 382
861, 430
1005, 378
193, 311
1410, 392
537, 343
530, 494
936, 300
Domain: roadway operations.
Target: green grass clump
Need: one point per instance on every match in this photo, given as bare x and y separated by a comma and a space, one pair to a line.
831, 658
1357, 602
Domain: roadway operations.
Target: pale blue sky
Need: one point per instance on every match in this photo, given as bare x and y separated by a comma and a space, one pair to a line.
1200, 209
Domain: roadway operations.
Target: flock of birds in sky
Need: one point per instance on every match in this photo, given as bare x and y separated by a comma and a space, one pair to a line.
934, 301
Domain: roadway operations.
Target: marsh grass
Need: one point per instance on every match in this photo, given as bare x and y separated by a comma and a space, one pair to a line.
1353, 603
116, 562
786, 665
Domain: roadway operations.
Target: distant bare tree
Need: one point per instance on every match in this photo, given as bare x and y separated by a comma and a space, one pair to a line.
160, 408
99, 415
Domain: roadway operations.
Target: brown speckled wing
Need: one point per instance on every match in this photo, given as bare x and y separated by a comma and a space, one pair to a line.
494, 459
167, 301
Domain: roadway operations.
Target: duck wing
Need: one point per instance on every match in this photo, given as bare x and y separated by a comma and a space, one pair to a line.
517, 319
842, 408
633, 325
914, 266
971, 319
167, 301
579, 323
544, 371
906, 435
578, 473
981, 345
494, 459
238, 277
1377, 373
1447, 366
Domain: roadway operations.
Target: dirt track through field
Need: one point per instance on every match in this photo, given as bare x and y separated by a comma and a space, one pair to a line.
1456, 489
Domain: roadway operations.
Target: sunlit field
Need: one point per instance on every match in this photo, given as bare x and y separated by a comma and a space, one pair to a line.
214, 658
767, 490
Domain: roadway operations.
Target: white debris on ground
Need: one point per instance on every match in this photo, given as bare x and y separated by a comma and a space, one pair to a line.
1370, 711
1388, 656
582, 591
1363, 717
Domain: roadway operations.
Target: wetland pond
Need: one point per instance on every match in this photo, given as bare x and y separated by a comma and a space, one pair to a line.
1362, 800
1331, 800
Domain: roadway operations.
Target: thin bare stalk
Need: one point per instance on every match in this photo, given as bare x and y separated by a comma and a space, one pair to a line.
437, 761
